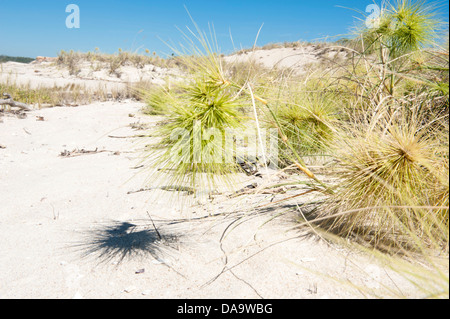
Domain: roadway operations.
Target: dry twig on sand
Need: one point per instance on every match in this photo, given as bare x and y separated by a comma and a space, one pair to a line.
8, 100
77, 152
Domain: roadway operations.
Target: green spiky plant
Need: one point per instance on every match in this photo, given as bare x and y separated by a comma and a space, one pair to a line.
192, 158
204, 102
308, 119
403, 28
394, 180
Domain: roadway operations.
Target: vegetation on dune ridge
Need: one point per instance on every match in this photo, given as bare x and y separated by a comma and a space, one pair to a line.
68, 95
113, 62
6, 58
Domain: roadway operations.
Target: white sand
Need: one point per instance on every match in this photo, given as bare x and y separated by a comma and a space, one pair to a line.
68, 228
296, 59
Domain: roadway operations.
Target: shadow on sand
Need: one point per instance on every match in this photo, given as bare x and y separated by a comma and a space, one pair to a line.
120, 241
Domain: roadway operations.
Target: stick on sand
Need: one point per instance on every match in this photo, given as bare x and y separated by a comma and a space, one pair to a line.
9, 101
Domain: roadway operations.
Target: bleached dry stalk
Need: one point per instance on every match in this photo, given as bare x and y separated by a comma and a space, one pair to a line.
9, 101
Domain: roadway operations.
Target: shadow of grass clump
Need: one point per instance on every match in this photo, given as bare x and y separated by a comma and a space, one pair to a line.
120, 241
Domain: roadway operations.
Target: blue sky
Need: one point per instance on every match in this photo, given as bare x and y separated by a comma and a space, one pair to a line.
32, 28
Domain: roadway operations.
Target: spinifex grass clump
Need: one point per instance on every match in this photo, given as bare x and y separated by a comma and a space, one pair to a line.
402, 27
195, 135
393, 184
389, 48
308, 121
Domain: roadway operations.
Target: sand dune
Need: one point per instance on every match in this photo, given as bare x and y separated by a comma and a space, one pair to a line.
296, 59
